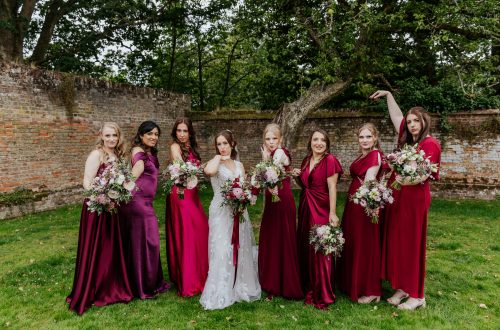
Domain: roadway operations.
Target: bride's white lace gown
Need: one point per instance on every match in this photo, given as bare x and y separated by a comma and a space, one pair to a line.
219, 291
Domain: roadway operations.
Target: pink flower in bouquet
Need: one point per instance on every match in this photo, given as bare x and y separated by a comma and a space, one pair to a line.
102, 199
192, 182
362, 203
253, 199
271, 175
103, 181
238, 193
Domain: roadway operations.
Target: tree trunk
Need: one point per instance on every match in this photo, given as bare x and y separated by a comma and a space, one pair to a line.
200, 76
291, 116
16, 20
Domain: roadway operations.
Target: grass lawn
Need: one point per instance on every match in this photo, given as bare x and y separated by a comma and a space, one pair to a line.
37, 258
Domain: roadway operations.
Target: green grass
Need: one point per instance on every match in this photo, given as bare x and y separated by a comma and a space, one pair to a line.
37, 254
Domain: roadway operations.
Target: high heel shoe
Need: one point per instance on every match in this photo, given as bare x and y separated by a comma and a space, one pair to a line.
396, 298
412, 304
368, 299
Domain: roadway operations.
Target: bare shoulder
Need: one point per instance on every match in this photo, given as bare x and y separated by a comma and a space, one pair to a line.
95, 155
175, 147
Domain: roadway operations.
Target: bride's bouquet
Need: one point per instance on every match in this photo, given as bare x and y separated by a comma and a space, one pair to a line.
238, 194
373, 195
268, 175
182, 174
111, 188
410, 164
327, 239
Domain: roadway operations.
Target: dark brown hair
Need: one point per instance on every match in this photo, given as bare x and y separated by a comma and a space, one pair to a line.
228, 135
425, 121
327, 139
144, 128
192, 138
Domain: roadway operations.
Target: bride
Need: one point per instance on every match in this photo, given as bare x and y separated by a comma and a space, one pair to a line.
226, 283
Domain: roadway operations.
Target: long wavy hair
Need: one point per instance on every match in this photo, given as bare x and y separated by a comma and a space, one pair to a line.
145, 127
228, 135
120, 147
425, 120
374, 131
193, 144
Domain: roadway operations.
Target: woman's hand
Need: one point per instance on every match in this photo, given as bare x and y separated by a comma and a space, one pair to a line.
296, 172
379, 94
334, 220
266, 153
273, 191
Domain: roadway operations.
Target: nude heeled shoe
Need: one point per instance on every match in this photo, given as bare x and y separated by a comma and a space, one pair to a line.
396, 298
368, 299
412, 304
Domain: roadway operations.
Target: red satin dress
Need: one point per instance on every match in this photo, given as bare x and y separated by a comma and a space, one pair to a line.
278, 260
405, 230
187, 240
100, 271
317, 270
358, 270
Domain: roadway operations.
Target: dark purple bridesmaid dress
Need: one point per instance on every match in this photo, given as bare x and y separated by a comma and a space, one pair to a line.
100, 271
278, 260
186, 227
142, 238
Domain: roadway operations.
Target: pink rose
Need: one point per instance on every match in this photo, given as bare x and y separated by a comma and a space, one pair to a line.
238, 193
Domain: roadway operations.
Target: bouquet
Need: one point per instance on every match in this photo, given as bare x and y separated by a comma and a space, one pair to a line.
373, 195
182, 174
111, 188
238, 194
266, 175
327, 239
410, 164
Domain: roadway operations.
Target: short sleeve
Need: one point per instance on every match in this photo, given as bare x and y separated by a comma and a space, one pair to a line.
139, 156
333, 166
432, 150
280, 157
373, 158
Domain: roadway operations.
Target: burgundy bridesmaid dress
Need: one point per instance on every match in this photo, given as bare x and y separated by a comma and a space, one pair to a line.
278, 260
100, 271
186, 227
142, 243
358, 270
405, 230
316, 270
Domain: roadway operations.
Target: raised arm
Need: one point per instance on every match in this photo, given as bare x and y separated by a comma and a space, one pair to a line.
394, 110
91, 168
371, 173
213, 165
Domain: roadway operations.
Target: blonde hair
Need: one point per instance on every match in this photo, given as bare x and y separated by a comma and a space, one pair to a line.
120, 145
374, 131
274, 128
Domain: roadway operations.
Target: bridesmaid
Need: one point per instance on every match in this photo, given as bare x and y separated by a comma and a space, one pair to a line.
186, 223
278, 260
359, 266
320, 171
139, 218
100, 271
405, 226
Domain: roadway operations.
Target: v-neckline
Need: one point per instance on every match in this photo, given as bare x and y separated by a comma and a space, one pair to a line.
235, 169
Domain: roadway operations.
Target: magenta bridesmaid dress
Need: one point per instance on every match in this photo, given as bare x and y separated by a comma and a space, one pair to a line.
316, 269
278, 260
100, 271
186, 227
142, 244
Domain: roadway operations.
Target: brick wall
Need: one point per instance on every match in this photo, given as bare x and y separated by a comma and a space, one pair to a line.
44, 140
470, 151
49, 122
